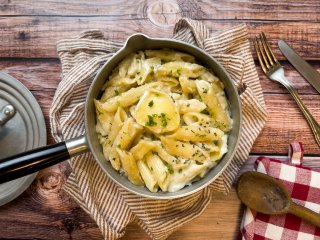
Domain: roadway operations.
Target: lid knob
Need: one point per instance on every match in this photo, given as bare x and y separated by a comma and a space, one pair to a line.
6, 114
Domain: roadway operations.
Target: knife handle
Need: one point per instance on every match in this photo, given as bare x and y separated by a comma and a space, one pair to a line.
315, 127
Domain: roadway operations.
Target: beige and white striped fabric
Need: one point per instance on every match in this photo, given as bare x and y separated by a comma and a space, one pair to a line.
112, 207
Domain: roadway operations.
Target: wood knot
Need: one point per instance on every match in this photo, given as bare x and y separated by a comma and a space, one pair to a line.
69, 224
35, 21
51, 181
23, 36
164, 13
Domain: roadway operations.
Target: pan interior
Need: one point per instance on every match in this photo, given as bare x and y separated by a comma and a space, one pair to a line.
141, 42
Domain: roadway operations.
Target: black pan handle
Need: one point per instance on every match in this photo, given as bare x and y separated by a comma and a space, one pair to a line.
34, 160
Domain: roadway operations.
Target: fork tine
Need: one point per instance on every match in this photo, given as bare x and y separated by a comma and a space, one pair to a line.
266, 49
262, 52
268, 46
259, 56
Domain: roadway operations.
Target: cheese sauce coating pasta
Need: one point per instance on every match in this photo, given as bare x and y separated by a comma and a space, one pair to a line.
163, 119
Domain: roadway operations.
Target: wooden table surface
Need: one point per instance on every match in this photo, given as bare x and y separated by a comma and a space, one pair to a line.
29, 31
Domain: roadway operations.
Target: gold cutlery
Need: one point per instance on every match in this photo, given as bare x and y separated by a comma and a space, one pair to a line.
273, 69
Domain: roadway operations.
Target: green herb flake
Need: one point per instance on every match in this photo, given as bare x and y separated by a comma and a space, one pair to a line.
170, 169
151, 121
180, 170
116, 92
150, 104
205, 111
200, 135
153, 137
164, 119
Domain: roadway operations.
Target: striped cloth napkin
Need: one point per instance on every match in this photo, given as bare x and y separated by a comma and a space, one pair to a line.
303, 184
111, 206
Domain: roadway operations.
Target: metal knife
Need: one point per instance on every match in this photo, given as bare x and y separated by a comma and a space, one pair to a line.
304, 68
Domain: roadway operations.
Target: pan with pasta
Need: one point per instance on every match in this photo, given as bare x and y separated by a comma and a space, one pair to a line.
163, 119
158, 122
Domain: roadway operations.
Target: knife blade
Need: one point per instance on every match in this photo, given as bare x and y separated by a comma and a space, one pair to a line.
304, 68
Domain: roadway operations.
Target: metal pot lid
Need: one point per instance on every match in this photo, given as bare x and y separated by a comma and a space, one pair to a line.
24, 131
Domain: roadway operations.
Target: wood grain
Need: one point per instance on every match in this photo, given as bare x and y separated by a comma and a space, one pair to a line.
285, 124
29, 32
223, 9
35, 37
46, 206
221, 220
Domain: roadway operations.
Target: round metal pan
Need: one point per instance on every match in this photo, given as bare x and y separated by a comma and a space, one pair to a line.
34, 160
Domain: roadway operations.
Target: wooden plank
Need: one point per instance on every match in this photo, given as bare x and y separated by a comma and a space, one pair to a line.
262, 10
35, 37
285, 122
35, 74
224, 210
45, 211
205, 9
72, 8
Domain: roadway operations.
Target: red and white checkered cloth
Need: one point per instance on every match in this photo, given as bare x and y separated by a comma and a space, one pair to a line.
303, 184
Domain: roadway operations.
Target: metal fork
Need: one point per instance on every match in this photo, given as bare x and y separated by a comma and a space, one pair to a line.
273, 69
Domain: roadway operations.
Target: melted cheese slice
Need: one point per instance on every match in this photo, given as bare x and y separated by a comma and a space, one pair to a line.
157, 112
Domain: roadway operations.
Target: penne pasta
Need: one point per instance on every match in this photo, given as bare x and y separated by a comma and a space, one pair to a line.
184, 150
192, 105
162, 119
194, 117
117, 123
188, 86
150, 181
142, 149
220, 115
130, 167
197, 133
158, 169
128, 98
123, 140
177, 69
